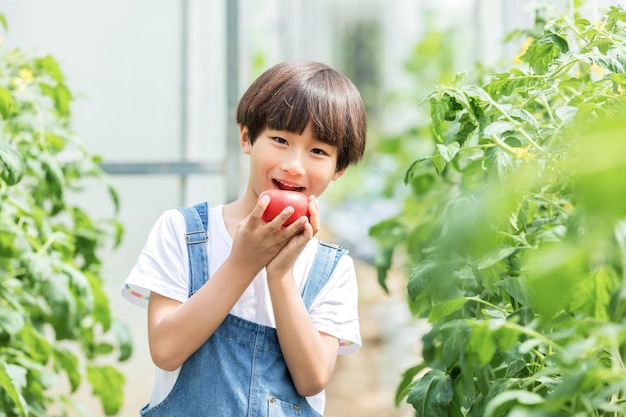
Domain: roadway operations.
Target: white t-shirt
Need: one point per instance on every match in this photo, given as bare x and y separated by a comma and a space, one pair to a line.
162, 267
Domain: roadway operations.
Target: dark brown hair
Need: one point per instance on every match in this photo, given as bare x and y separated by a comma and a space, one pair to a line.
292, 94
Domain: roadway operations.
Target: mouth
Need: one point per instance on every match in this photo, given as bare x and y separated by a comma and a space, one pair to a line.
282, 185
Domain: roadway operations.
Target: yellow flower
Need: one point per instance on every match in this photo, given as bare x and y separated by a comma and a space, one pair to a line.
599, 24
597, 69
524, 153
529, 41
26, 74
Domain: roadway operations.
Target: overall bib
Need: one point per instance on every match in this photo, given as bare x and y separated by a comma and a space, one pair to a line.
240, 370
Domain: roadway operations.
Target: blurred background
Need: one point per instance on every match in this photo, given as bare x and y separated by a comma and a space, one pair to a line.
156, 83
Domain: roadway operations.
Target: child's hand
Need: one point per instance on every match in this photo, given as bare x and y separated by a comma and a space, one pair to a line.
256, 242
286, 258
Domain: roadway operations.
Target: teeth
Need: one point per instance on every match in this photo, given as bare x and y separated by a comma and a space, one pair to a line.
288, 187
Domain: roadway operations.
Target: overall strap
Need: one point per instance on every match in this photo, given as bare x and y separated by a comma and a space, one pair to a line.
324, 264
196, 221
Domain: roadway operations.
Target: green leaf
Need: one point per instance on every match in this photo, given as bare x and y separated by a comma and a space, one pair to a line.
124, 339
62, 305
81, 286
557, 40
107, 383
115, 197
408, 176
498, 128
54, 174
12, 164
502, 85
69, 363
35, 344
448, 152
504, 336
619, 78
602, 174
8, 384
455, 334
481, 343
439, 162
104, 348
7, 104
495, 255
459, 99
554, 273
3, 20
38, 267
504, 401
499, 162
445, 308
432, 394
516, 288
592, 296
525, 115
540, 55
478, 92
421, 277
11, 321
101, 309
405, 385
49, 65
382, 262
467, 127
567, 114
438, 110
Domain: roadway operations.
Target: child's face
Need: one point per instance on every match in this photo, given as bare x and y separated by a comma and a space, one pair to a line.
290, 161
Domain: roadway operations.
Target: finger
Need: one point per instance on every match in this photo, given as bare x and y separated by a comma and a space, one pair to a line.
314, 214
281, 218
296, 227
308, 231
260, 206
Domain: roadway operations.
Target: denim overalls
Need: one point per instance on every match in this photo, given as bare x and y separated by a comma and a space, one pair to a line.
239, 371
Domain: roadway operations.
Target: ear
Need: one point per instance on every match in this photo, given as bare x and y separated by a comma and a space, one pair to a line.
338, 174
244, 139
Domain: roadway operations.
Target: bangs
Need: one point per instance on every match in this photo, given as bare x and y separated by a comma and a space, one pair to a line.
298, 105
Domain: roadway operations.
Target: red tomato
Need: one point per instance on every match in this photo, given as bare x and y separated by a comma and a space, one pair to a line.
279, 199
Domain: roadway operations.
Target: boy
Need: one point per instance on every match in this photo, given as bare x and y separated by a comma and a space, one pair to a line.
261, 335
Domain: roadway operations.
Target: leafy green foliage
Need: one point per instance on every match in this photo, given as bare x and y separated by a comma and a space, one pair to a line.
55, 321
514, 233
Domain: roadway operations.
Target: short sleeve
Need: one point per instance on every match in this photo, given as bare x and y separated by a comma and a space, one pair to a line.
162, 265
335, 309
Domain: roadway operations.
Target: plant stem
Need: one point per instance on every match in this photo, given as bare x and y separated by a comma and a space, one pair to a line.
514, 123
503, 145
487, 303
550, 344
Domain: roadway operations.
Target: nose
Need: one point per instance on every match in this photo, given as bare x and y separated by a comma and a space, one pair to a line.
293, 163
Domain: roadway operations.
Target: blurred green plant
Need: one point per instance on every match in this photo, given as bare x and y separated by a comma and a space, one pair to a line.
55, 323
514, 232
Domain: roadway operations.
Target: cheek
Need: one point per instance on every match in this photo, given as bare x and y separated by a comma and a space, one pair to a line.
262, 159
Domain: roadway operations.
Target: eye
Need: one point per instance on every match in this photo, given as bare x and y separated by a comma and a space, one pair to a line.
280, 140
318, 151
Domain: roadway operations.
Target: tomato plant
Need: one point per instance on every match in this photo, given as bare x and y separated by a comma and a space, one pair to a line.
55, 321
514, 236
281, 199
